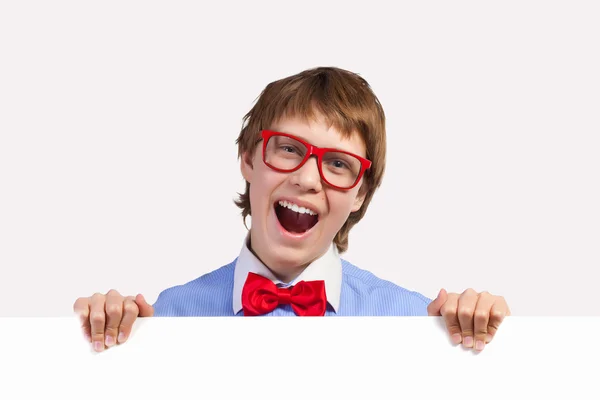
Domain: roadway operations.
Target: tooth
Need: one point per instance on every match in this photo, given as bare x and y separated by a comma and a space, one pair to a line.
296, 208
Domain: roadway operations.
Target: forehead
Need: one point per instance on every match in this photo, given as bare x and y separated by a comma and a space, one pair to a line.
317, 131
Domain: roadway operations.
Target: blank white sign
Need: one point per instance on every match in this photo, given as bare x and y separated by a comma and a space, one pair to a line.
316, 358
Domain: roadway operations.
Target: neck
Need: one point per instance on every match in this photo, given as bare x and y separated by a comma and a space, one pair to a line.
285, 275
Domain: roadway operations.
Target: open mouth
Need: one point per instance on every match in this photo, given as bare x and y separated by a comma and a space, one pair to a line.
295, 219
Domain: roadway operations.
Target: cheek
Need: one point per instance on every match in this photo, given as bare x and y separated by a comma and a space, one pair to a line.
263, 188
340, 206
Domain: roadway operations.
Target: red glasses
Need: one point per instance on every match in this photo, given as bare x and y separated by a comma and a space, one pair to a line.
287, 153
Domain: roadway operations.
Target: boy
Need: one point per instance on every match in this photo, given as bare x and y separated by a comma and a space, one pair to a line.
312, 151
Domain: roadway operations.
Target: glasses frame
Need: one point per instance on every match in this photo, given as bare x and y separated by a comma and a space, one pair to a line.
318, 152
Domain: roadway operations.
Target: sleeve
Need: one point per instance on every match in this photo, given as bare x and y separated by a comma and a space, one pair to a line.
166, 304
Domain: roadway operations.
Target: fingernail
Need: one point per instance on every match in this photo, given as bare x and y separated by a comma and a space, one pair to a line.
488, 338
468, 342
479, 345
110, 341
456, 338
98, 346
121, 337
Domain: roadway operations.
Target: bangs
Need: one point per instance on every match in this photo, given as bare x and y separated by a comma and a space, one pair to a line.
322, 97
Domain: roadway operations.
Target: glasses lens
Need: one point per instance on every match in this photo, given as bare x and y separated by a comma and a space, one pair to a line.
340, 169
285, 153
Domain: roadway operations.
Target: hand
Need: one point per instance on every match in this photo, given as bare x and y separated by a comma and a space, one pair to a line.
107, 319
471, 318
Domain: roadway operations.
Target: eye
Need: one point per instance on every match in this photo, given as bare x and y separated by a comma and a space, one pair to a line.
288, 149
338, 164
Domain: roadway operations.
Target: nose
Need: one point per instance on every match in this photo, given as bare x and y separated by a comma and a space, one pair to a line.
308, 177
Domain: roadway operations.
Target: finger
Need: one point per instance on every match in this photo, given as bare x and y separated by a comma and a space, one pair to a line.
481, 319
146, 310
448, 311
130, 313
82, 309
466, 307
433, 309
114, 313
97, 321
498, 312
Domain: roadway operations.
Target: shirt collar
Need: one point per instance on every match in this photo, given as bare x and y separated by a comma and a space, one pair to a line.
327, 268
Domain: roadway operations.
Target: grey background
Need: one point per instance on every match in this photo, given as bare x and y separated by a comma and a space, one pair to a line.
118, 164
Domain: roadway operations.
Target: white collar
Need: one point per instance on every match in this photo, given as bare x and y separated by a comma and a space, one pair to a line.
327, 268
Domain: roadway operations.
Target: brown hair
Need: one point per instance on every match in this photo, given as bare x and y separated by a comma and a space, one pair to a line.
347, 103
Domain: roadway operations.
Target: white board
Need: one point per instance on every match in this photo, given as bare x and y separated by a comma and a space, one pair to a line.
320, 358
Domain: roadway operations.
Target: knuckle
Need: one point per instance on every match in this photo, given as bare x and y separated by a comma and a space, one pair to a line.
480, 336
498, 314
470, 292
468, 331
465, 312
481, 316
97, 297
81, 309
448, 310
453, 328
113, 310
112, 292
485, 294
111, 331
481, 330
97, 317
131, 308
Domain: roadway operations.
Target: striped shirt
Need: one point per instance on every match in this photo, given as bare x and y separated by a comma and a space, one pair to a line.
350, 290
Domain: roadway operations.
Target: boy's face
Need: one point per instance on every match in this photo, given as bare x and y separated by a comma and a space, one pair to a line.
286, 253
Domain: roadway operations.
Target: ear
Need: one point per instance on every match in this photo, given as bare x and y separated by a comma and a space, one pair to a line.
246, 166
360, 199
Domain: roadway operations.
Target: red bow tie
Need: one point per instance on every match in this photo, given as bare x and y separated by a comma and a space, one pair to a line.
261, 296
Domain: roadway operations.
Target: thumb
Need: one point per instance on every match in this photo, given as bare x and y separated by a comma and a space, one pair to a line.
433, 309
146, 310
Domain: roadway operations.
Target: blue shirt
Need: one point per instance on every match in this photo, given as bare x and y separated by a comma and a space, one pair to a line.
350, 290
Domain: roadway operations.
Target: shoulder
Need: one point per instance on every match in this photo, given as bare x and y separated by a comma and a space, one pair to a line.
207, 295
380, 296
